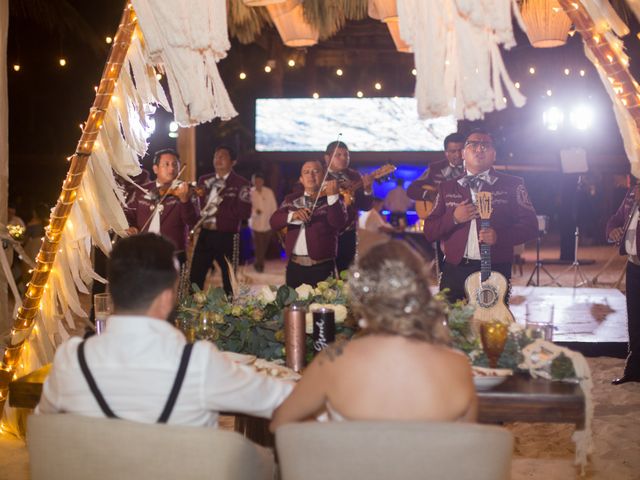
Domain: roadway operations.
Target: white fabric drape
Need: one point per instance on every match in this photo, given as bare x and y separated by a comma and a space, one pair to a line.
187, 38
458, 61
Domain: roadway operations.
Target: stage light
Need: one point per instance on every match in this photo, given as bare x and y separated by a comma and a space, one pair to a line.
581, 117
339, 72
242, 75
173, 126
552, 118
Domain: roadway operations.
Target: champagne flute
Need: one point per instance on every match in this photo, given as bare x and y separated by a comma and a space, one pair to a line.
102, 307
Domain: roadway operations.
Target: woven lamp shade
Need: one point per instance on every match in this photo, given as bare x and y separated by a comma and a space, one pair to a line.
383, 10
547, 24
394, 30
260, 3
289, 20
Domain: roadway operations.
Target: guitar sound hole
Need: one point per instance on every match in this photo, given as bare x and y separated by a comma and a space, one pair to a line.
487, 297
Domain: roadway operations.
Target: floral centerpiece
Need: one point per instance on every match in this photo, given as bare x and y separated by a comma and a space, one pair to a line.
464, 338
253, 322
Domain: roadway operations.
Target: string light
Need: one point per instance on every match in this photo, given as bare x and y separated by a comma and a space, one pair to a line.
158, 76
316, 95
532, 70
359, 94
414, 72
291, 62
62, 62
242, 75
517, 84
377, 86
16, 67
108, 40
339, 72
567, 71
267, 68
549, 93
582, 73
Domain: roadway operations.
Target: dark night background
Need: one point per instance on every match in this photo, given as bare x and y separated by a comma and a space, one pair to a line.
47, 102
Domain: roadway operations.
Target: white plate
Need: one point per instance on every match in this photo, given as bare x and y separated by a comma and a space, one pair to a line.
240, 358
487, 383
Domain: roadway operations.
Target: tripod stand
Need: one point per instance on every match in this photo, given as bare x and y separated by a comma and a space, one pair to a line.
540, 266
575, 266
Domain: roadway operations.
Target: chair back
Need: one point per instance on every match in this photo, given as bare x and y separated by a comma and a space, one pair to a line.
397, 450
75, 447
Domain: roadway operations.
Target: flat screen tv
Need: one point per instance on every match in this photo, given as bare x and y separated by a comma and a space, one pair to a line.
367, 124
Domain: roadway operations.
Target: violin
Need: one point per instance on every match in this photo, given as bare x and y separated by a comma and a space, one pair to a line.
172, 190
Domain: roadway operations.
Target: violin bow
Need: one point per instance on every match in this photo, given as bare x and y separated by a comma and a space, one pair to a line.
146, 224
333, 154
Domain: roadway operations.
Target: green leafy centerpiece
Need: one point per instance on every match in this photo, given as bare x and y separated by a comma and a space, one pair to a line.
252, 322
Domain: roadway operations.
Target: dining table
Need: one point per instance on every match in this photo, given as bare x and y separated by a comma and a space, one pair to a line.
520, 398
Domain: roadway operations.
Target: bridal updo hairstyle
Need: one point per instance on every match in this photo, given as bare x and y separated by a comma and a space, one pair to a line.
389, 289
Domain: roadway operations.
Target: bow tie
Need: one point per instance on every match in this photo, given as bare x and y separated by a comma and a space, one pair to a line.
475, 181
450, 172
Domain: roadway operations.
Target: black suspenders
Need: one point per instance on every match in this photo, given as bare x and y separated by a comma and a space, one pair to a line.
173, 396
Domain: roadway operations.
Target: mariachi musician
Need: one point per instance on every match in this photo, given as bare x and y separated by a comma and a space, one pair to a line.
313, 222
225, 204
337, 159
622, 228
169, 207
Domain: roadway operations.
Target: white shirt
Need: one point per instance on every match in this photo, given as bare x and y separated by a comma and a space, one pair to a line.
265, 202
300, 247
134, 363
472, 250
397, 200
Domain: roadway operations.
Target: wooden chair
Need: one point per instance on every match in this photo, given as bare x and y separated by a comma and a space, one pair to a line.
397, 450
75, 447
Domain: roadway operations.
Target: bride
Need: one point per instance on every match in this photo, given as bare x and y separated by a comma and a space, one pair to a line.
401, 368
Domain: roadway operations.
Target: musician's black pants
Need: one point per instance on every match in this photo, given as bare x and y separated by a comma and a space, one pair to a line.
298, 274
632, 367
454, 276
346, 250
212, 245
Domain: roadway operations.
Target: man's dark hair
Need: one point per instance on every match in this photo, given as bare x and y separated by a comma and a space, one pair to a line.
335, 145
455, 137
139, 268
479, 131
159, 153
229, 149
257, 175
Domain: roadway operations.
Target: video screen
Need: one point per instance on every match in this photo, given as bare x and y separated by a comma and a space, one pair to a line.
367, 124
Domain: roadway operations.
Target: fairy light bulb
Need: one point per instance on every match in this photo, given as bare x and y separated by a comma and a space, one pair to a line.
339, 72
414, 72
567, 71
582, 73
291, 62
377, 86
517, 85
62, 62
316, 95
108, 40
359, 94
532, 70
267, 68
242, 75
16, 68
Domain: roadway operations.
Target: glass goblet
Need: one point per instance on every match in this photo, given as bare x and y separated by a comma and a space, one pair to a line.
493, 335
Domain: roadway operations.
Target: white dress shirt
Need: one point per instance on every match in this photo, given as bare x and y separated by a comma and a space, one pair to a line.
630, 238
265, 202
472, 250
134, 363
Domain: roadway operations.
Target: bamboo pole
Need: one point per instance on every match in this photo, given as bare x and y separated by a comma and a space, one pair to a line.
45, 258
610, 57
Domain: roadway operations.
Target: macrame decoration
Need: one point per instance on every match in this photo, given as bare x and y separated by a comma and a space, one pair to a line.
456, 44
547, 24
186, 39
601, 29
